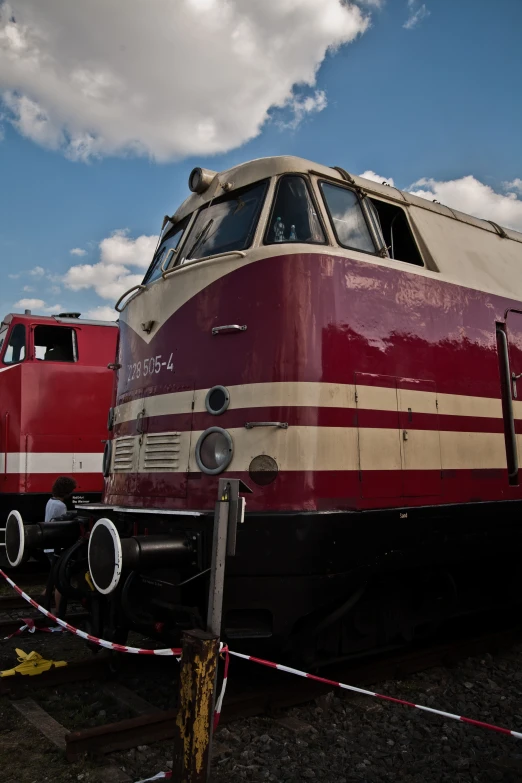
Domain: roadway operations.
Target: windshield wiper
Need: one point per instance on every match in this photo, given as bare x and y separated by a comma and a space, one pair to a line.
200, 238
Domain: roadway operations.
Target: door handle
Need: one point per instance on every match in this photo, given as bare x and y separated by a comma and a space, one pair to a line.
405, 434
514, 378
139, 421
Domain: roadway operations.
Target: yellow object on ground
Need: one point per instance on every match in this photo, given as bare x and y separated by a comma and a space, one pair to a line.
30, 664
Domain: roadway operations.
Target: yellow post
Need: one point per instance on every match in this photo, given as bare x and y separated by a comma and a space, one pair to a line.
195, 718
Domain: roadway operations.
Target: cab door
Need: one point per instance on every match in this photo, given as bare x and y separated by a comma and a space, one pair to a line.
378, 432
419, 437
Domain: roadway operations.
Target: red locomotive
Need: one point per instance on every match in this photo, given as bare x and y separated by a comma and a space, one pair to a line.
353, 353
55, 388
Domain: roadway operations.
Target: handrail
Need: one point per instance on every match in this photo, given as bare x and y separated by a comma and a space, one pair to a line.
510, 423
282, 425
122, 297
172, 251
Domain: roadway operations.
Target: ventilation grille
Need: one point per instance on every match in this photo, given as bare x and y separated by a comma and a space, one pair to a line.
123, 454
162, 451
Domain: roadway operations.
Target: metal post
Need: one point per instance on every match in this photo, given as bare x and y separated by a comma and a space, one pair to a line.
192, 745
219, 551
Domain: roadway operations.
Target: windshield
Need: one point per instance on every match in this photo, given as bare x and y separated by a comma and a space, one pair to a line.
170, 243
294, 217
227, 223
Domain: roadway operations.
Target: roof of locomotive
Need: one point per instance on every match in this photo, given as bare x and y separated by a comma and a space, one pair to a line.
60, 319
263, 168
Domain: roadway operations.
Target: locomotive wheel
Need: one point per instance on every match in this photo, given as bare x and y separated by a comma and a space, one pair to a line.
71, 570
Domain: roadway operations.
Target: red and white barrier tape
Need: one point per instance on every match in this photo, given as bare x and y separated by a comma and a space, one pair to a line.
342, 685
94, 639
177, 652
30, 625
219, 703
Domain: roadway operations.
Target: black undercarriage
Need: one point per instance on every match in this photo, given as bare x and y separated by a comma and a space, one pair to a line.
317, 586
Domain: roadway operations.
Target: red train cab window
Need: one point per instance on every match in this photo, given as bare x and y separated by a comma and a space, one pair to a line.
294, 217
15, 350
55, 344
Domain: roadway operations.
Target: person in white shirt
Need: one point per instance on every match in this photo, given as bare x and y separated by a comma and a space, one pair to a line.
63, 488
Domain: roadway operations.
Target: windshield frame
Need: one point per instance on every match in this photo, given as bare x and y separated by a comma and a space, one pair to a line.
164, 238
181, 260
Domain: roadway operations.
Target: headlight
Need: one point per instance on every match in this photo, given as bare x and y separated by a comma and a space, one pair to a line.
217, 400
214, 450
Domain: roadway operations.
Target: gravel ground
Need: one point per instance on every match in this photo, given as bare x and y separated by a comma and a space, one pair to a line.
340, 737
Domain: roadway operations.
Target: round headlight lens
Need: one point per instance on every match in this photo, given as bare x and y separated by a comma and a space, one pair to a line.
214, 450
217, 400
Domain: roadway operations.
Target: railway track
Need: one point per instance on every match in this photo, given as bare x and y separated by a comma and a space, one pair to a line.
273, 690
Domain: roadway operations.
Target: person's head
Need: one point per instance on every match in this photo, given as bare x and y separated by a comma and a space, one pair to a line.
63, 487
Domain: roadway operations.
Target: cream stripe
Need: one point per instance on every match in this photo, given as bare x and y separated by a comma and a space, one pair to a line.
323, 395
472, 450
337, 448
57, 462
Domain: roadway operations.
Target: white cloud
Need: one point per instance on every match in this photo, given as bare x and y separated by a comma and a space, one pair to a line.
165, 79
416, 14
37, 304
468, 194
14, 277
515, 184
301, 107
114, 274
38, 271
377, 178
101, 313
119, 249
30, 304
77, 251
28, 289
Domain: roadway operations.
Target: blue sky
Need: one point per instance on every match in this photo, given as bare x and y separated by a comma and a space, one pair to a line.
437, 101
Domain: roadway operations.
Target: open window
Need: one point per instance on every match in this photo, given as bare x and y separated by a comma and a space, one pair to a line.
15, 351
397, 233
55, 344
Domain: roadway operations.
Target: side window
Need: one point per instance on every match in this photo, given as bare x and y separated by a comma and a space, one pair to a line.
15, 351
294, 217
55, 344
348, 220
397, 233
168, 246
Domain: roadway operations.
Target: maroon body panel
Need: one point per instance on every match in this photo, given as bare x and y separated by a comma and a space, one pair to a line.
319, 318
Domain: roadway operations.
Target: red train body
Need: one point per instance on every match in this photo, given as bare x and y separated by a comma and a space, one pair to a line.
55, 389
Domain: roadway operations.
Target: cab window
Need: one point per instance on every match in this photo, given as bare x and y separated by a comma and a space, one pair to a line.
55, 344
351, 229
294, 217
15, 351
168, 247
226, 224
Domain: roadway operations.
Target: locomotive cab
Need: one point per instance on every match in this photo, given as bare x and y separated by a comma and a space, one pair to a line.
55, 388
315, 335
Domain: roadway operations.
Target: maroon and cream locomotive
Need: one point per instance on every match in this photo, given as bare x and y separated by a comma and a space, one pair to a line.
353, 353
